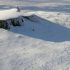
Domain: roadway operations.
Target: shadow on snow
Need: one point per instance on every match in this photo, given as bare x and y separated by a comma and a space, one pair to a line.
44, 30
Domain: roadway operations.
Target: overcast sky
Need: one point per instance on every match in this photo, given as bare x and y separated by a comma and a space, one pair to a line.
41, 0
48, 0
45, 0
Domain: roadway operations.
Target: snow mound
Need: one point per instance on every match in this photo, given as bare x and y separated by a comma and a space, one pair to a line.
8, 14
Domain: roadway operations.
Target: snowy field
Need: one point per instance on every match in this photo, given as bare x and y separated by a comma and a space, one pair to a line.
41, 43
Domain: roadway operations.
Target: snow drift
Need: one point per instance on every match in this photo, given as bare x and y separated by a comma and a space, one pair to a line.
8, 14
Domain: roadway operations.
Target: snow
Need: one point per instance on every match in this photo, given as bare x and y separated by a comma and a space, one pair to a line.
20, 52
8, 14
45, 48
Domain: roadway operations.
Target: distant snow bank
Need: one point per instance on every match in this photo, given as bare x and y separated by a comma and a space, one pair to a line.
10, 13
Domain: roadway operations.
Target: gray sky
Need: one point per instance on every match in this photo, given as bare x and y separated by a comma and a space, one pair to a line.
45, 0
41, 0
48, 0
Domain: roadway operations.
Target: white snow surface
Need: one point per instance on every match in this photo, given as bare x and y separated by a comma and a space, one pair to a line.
46, 48
9, 13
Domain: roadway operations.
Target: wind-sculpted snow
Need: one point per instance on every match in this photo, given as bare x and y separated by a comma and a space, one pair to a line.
36, 6
41, 43
54, 8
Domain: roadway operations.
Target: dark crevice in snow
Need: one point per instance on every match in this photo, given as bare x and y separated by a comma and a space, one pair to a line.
6, 24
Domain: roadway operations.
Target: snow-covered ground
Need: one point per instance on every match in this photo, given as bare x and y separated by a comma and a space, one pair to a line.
42, 43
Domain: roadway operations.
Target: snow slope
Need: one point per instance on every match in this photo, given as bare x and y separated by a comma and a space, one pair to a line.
45, 48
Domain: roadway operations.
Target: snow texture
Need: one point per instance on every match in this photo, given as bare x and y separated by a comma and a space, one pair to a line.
41, 43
